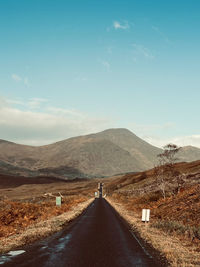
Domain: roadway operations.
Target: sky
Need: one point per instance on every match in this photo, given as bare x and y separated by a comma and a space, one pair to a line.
73, 67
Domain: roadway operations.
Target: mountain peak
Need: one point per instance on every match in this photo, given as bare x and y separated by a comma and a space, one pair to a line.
118, 131
115, 150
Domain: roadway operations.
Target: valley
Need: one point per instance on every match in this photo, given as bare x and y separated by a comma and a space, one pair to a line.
28, 212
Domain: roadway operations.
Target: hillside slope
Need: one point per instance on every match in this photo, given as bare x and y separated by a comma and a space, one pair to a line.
189, 153
102, 154
144, 152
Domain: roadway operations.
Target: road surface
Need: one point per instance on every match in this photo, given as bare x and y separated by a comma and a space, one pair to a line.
98, 238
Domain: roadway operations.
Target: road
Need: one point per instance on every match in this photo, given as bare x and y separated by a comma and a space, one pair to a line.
98, 238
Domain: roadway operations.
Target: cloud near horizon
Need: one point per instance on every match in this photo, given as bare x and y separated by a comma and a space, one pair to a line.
153, 134
35, 122
39, 127
191, 140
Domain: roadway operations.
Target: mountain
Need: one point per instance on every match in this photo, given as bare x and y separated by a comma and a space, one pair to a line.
143, 153
189, 153
106, 153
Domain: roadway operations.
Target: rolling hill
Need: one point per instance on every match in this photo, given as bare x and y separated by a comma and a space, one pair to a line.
102, 154
189, 153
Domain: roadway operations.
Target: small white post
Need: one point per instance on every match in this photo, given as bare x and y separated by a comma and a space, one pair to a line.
58, 201
145, 215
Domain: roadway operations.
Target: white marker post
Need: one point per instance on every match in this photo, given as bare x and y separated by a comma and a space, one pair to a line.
96, 194
145, 215
58, 201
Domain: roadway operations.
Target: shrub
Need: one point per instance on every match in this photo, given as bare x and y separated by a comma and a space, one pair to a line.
178, 228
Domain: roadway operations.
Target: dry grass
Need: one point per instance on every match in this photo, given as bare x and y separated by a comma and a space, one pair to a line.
27, 213
174, 229
184, 253
46, 224
16, 216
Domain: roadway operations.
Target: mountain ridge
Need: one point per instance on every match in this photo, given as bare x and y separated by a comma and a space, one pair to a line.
106, 153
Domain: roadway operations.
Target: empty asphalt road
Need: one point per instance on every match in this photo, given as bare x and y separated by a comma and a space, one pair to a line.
98, 238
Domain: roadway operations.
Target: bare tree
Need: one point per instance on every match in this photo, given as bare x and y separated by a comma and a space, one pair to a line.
165, 172
168, 157
160, 177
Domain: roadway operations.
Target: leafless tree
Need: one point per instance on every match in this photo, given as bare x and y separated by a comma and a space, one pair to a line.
168, 157
165, 172
160, 178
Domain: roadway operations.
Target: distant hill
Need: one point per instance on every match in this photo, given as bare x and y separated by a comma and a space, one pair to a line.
189, 153
106, 153
142, 151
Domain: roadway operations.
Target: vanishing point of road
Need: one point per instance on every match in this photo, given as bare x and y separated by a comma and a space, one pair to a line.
98, 238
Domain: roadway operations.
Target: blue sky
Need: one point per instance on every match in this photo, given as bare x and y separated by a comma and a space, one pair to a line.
74, 67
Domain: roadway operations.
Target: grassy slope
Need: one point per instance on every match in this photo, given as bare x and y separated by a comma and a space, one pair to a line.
26, 217
177, 216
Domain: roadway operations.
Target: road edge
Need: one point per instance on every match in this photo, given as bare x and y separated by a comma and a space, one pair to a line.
147, 247
43, 229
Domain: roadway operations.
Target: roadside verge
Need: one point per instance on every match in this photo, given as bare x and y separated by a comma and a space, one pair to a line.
170, 247
42, 229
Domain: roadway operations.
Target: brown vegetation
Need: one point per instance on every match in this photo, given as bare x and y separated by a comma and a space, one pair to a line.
41, 229
178, 252
174, 220
16, 216
28, 212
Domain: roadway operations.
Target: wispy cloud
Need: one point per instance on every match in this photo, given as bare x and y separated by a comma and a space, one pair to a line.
45, 125
36, 102
14, 102
164, 36
33, 103
140, 50
26, 82
18, 78
106, 65
119, 25
63, 111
